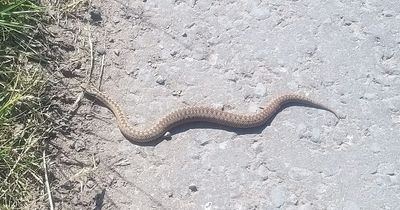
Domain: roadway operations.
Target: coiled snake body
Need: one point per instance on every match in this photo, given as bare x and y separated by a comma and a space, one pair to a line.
198, 113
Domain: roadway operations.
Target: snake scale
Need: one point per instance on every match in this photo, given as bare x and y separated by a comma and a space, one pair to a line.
197, 113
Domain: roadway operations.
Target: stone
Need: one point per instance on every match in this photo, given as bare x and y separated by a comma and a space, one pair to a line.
278, 196
193, 188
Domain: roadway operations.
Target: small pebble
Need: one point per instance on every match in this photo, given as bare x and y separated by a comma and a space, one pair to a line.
316, 135
193, 188
301, 128
101, 51
170, 194
160, 80
257, 147
177, 93
90, 184
95, 15
78, 146
97, 160
223, 145
278, 196
262, 171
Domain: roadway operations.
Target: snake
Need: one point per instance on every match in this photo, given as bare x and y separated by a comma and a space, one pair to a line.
198, 114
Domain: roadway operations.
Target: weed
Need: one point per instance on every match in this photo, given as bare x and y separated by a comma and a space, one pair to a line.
23, 124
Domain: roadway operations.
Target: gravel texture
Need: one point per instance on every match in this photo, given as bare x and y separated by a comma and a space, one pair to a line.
160, 55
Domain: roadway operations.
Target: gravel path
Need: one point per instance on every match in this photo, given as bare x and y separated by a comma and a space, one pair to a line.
161, 55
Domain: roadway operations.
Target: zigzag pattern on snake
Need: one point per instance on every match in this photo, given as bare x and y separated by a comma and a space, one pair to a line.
198, 113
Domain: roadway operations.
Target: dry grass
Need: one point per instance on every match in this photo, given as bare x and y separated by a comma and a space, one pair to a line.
23, 122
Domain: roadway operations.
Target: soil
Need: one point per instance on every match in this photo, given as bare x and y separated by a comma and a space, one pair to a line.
155, 56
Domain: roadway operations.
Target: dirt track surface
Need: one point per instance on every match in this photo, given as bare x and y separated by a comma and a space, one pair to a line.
161, 55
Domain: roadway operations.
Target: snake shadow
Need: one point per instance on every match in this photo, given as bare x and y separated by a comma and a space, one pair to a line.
214, 126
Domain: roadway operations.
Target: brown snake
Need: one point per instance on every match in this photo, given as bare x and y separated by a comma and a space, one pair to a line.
198, 113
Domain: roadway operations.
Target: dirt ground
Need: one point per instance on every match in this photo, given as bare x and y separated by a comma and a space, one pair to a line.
160, 55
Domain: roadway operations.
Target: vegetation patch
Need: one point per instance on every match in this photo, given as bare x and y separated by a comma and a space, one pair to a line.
23, 105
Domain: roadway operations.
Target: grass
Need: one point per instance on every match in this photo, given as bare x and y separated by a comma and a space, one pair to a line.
23, 122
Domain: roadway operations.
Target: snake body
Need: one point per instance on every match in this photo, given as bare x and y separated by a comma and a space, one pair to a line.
196, 114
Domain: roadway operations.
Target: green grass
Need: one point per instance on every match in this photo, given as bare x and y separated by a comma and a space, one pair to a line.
23, 123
